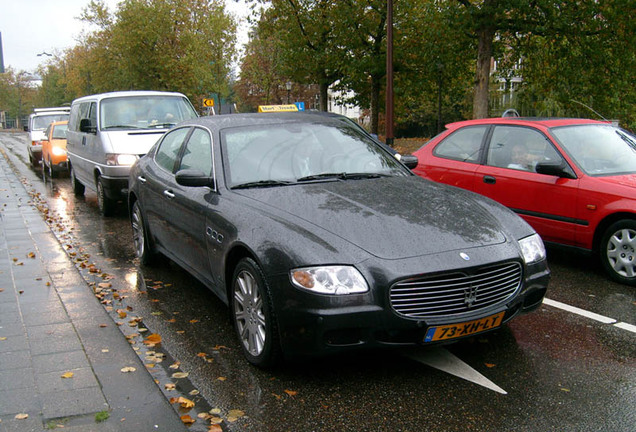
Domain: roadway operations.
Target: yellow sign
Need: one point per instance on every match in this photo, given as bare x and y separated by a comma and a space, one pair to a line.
277, 108
208, 102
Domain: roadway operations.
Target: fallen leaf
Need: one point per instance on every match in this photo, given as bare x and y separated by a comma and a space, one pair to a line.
185, 403
170, 386
103, 325
179, 375
104, 285
153, 339
221, 378
194, 321
128, 369
31, 255
105, 351
215, 420
565, 390
203, 416
68, 375
22, 416
194, 392
202, 354
3, 338
490, 365
215, 428
171, 320
186, 419
175, 365
291, 392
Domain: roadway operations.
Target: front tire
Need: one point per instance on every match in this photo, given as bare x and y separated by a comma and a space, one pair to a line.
105, 204
618, 251
253, 315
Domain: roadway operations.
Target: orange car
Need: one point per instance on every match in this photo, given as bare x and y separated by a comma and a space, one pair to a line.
54, 157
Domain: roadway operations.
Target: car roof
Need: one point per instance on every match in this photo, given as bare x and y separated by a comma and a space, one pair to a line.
127, 93
547, 122
223, 121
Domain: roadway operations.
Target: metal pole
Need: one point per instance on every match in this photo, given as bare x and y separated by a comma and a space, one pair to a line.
389, 73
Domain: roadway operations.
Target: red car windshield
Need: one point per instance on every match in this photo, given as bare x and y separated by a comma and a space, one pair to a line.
599, 150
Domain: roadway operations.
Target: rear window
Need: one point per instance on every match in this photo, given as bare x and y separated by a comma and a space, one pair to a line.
463, 145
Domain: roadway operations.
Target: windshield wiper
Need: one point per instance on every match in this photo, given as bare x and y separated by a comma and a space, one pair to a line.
263, 183
120, 127
341, 176
161, 125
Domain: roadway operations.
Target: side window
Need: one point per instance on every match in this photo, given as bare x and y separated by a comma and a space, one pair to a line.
463, 145
519, 148
73, 121
198, 152
92, 113
166, 154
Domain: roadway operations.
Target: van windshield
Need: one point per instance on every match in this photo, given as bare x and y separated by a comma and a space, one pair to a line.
144, 112
41, 122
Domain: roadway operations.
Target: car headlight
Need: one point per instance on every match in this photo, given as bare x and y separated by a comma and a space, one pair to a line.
532, 249
120, 159
58, 151
336, 280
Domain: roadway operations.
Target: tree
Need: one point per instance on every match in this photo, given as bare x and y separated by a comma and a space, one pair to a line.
176, 45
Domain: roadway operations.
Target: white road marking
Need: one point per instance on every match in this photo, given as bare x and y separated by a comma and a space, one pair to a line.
625, 326
441, 359
578, 311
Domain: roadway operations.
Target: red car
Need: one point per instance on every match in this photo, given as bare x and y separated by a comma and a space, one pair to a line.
573, 180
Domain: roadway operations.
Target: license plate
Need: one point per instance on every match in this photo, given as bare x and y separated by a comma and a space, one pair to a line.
463, 329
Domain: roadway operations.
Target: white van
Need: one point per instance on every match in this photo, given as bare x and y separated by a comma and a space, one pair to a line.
108, 132
38, 122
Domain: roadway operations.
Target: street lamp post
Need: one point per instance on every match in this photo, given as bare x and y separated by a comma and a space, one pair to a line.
389, 74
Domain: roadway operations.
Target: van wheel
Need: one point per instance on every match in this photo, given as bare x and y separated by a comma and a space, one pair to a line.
106, 205
78, 188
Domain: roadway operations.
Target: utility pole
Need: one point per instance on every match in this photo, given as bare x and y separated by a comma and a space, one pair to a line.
389, 74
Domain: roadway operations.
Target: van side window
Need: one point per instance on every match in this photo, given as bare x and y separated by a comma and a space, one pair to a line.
166, 154
198, 152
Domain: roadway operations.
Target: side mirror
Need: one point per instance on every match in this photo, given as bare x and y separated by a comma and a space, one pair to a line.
409, 160
559, 169
87, 126
193, 178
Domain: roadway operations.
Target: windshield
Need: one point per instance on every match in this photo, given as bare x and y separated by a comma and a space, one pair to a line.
59, 131
289, 153
144, 112
41, 122
599, 149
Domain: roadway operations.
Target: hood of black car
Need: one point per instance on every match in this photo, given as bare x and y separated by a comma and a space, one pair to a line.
391, 218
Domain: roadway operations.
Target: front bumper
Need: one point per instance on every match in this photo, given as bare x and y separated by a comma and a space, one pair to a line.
310, 324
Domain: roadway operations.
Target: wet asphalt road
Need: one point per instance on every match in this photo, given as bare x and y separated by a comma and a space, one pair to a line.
551, 370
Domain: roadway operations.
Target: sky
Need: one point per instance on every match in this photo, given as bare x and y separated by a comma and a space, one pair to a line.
31, 27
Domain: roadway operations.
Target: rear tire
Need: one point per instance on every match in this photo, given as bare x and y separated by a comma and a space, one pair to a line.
618, 251
143, 246
78, 188
105, 204
52, 172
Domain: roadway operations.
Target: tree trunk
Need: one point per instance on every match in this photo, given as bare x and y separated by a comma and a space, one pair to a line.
324, 96
482, 74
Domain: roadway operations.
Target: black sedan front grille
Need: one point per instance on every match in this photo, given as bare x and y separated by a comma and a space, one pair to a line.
456, 293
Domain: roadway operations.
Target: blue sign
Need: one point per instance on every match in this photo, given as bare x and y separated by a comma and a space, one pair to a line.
300, 106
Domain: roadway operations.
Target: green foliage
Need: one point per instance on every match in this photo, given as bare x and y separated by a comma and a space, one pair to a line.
172, 45
102, 416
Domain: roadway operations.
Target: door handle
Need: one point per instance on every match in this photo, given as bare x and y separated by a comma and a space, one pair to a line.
489, 179
142, 179
168, 194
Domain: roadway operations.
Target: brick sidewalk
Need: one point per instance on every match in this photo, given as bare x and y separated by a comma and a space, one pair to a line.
50, 325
